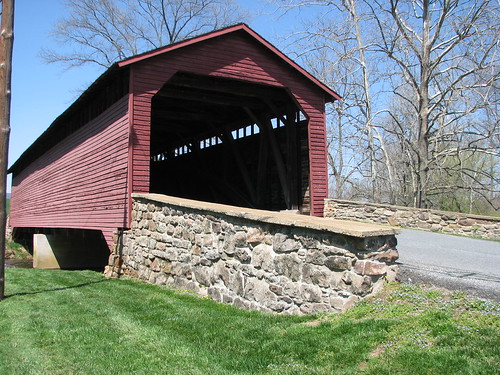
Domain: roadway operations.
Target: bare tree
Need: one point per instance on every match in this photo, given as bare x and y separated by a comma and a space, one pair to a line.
442, 53
338, 48
423, 80
105, 31
6, 44
346, 125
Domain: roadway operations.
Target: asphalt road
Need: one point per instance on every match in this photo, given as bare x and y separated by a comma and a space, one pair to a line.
451, 262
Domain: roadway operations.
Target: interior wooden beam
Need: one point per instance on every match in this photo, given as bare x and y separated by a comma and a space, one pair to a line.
195, 149
233, 87
235, 194
267, 129
262, 168
175, 115
292, 156
205, 97
276, 112
169, 127
228, 137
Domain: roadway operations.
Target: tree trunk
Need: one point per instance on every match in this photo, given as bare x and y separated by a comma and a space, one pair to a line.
423, 118
375, 191
6, 43
340, 144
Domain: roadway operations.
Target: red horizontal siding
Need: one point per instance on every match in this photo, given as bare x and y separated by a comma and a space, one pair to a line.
81, 182
237, 56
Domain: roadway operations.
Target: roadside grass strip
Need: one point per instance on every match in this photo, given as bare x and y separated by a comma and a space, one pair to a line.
78, 322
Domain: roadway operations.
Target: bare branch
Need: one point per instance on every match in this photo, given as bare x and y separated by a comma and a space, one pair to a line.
104, 31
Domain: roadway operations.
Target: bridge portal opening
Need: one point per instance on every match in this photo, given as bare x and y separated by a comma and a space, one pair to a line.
229, 141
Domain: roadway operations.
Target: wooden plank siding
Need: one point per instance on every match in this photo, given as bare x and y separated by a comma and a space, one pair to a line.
235, 55
81, 182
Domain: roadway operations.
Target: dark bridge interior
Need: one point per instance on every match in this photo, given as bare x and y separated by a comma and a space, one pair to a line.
229, 141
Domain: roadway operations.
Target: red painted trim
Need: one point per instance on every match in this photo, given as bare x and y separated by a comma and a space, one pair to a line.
130, 165
332, 95
318, 170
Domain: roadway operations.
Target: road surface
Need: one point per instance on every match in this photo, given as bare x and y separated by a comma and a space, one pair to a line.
452, 262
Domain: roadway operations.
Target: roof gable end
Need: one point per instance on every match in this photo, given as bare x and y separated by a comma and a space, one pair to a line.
330, 94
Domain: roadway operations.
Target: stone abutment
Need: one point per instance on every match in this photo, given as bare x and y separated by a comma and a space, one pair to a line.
261, 260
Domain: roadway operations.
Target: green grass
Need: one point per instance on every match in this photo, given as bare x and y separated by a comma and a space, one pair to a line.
16, 251
77, 322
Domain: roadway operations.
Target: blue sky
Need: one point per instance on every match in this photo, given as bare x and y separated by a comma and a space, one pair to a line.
41, 92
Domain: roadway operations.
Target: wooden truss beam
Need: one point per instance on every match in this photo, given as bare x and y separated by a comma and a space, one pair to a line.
229, 140
266, 129
229, 86
292, 157
211, 98
262, 169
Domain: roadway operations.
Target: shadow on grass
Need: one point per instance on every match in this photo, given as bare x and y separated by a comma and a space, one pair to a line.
56, 289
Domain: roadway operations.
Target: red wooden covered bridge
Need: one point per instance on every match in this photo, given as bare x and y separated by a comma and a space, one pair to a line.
223, 117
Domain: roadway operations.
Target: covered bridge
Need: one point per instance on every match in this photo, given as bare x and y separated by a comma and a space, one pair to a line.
224, 117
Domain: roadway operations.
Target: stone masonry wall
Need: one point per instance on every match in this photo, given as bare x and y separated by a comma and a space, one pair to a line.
254, 259
448, 222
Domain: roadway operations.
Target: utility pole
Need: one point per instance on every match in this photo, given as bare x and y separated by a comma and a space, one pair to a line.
6, 44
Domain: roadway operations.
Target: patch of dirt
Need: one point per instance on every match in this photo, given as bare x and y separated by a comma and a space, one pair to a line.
373, 354
317, 322
377, 351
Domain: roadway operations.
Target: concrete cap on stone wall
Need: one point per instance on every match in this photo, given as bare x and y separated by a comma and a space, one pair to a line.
349, 228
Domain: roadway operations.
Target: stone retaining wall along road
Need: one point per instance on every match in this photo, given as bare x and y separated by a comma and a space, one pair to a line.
269, 261
433, 220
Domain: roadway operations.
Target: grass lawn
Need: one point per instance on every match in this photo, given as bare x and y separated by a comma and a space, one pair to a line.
78, 322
